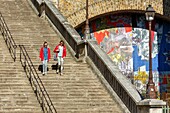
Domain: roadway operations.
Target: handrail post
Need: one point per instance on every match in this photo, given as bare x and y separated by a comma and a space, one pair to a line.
151, 106
19, 53
24, 63
15, 47
42, 10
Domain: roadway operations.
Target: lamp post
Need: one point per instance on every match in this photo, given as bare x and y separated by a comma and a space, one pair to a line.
86, 33
150, 90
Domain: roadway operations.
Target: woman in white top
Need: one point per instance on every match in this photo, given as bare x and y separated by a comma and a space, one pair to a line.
60, 51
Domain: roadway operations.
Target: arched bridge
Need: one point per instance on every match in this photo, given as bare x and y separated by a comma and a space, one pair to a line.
75, 11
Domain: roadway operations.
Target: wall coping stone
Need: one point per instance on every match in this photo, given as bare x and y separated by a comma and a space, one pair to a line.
152, 102
39, 1
64, 22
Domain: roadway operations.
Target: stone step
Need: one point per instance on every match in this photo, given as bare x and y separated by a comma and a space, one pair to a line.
13, 84
12, 81
10, 71
15, 87
11, 66
65, 74
16, 93
58, 91
17, 90
19, 101
78, 90
19, 105
20, 111
10, 63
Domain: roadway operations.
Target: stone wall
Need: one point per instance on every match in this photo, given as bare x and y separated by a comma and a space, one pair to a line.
74, 10
166, 9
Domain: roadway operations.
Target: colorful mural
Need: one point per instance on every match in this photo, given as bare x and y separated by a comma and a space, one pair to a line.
164, 66
128, 49
141, 56
126, 40
117, 43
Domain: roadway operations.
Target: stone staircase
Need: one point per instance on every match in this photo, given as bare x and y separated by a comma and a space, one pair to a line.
16, 94
79, 90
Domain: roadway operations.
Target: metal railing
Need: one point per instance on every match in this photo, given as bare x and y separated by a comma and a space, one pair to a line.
129, 98
166, 109
119, 83
8, 37
36, 83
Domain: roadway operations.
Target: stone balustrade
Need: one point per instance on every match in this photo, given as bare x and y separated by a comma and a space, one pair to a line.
100, 62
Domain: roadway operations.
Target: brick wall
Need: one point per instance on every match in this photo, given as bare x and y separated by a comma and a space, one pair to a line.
74, 10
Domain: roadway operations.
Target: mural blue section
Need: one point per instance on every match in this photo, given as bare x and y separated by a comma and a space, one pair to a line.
164, 49
139, 62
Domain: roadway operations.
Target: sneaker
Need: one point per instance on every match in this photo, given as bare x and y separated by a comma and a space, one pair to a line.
61, 73
57, 71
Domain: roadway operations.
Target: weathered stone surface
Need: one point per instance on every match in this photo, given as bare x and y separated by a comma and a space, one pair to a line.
16, 94
79, 89
166, 6
74, 10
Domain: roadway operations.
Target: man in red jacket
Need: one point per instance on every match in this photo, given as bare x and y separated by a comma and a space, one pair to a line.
45, 56
60, 51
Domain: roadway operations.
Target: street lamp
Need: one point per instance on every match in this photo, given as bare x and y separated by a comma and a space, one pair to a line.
150, 90
86, 33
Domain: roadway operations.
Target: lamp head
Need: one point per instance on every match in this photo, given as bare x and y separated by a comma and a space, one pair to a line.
150, 13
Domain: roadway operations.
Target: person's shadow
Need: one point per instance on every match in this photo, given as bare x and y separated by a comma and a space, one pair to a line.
54, 67
40, 68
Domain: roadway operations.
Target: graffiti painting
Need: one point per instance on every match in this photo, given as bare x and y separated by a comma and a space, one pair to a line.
126, 41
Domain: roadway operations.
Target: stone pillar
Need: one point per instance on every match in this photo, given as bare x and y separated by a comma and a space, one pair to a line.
55, 2
151, 106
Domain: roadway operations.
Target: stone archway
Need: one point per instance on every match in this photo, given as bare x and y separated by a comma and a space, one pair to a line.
74, 10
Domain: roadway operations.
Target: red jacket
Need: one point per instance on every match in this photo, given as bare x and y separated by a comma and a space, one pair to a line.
42, 54
64, 50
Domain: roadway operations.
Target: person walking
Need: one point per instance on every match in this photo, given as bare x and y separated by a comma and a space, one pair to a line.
60, 51
45, 57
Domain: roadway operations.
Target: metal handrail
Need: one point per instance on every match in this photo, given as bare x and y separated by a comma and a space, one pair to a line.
8, 37
166, 109
35, 81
